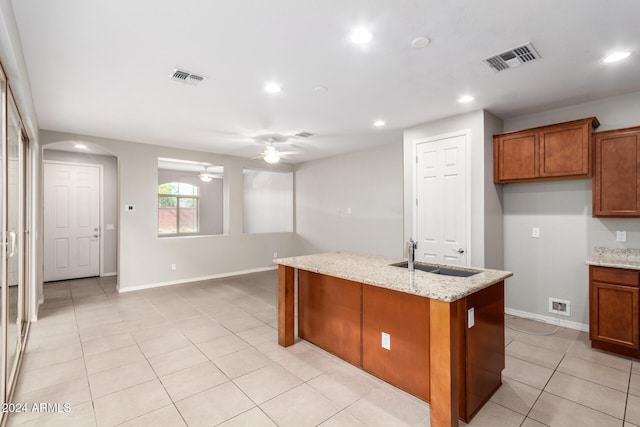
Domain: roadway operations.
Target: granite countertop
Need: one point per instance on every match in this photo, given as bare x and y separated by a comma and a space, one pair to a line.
615, 257
375, 270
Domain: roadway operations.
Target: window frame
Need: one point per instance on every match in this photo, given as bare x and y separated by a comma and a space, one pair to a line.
179, 197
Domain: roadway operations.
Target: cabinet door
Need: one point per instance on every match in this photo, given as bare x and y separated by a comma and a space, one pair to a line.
564, 150
516, 156
615, 314
616, 182
329, 314
405, 318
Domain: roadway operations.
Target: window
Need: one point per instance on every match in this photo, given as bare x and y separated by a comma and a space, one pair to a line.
268, 201
190, 198
178, 208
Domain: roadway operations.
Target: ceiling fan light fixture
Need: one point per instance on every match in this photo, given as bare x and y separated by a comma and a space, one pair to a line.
272, 157
273, 87
616, 56
205, 176
360, 36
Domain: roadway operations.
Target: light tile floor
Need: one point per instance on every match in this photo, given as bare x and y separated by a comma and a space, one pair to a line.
205, 354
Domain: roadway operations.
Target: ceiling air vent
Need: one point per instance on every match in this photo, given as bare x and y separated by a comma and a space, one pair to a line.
303, 135
513, 57
187, 78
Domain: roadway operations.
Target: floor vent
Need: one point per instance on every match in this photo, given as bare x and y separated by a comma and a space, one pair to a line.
187, 78
513, 58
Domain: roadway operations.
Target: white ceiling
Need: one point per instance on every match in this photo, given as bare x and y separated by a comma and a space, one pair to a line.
102, 67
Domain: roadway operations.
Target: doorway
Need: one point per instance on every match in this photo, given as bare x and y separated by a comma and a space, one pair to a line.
441, 204
72, 230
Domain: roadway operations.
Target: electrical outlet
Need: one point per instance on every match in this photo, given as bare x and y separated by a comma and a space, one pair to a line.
386, 341
621, 236
535, 232
275, 254
173, 267
559, 306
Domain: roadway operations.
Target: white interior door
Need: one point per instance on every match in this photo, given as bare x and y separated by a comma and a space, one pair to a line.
71, 221
441, 201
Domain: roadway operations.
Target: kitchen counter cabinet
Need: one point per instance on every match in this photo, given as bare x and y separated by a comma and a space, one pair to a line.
435, 353
614, 310
616, 181
323, 297
560, 151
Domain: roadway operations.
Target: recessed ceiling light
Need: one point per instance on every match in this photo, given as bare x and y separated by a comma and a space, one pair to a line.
420, 42
273, 88
80, 146
616, 56
379, 123
320, 89
465, 98
361, 36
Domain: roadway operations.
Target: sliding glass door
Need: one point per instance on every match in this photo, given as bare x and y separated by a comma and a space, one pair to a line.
15, 237
3, 279
14, 170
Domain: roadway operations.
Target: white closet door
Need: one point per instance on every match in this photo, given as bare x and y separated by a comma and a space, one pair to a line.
71, 221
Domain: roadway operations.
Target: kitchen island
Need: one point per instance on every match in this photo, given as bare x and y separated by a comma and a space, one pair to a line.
438, 337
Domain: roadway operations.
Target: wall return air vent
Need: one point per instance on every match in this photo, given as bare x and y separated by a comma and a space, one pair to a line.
513, 58
187, 78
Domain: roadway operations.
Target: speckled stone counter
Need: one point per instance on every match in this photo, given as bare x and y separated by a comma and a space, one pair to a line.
375, 270
615, 257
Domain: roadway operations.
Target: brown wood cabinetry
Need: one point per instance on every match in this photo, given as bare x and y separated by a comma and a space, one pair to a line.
614, 310
348, 318
560, 151
616, 180
405, 318
329, 314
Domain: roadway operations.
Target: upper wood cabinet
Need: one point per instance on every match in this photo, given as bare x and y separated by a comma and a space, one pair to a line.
560, 151
616, 179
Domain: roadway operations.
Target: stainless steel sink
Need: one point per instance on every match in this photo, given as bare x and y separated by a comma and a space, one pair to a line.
437, 270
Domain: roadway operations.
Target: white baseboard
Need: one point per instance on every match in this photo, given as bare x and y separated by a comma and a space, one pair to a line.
194, 279
549, 319
115, 273
34, 316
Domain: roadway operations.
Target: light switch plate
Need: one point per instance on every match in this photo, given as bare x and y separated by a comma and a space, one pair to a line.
535, 232
471, 317
386, 341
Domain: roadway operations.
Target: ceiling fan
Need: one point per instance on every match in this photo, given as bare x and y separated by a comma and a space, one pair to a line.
207, 176
271, 154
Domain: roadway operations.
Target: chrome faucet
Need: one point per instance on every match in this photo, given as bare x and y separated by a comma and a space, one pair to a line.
411, 249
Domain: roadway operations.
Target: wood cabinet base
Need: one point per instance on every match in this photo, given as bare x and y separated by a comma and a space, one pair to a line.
614, 310
433, 353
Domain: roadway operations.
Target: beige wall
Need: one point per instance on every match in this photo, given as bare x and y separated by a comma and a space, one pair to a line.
144, 259
554, 264
369, 182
